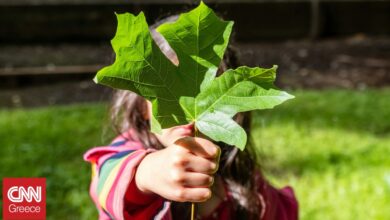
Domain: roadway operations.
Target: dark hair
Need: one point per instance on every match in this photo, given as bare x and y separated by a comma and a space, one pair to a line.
237, 168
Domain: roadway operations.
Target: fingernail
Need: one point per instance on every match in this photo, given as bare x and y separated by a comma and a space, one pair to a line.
212, 181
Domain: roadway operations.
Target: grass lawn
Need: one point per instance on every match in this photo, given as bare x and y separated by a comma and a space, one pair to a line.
332, 146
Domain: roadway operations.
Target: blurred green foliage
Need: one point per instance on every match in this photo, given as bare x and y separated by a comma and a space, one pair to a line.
332, 146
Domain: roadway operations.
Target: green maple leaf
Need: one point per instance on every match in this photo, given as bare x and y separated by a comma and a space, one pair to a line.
239, 90
199, 39
189, 92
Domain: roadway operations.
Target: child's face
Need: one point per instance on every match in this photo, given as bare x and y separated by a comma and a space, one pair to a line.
168, 136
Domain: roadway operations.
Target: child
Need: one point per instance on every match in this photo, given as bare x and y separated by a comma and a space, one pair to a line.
142, 175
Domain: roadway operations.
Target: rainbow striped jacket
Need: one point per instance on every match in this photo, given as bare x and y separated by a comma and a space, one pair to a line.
115, 195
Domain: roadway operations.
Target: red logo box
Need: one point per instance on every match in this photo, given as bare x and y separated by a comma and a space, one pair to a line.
24, 198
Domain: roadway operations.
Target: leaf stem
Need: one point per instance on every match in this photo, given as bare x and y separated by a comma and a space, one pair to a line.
192, 211
193, 204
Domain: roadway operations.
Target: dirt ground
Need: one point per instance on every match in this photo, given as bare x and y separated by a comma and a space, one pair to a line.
356, 62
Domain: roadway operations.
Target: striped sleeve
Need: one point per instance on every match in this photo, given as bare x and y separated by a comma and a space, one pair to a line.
113, 170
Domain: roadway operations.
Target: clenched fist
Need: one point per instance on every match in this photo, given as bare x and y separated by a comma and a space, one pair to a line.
181, 172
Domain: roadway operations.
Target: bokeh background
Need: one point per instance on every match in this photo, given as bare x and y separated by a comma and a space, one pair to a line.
331, 143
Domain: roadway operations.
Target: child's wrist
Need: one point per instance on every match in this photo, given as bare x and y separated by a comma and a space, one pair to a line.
141, 176
136, 193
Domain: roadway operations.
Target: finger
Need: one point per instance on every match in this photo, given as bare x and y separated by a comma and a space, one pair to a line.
201, 165
189, 126
198, 180
200, 147
192, 194
183, 130
181, 133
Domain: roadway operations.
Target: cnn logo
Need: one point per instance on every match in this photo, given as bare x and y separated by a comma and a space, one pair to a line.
22, 193
24, 198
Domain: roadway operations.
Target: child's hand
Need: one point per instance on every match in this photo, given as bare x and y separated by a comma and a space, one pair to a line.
182, 172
